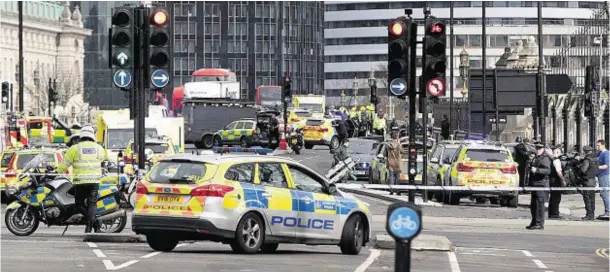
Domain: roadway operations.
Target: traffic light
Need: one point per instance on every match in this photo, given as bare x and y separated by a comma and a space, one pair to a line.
435, 57
5, 96
399, 41
591, 81
159, 51
287, 89
122, 46
412, 160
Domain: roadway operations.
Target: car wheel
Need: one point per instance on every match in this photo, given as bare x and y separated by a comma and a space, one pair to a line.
334, 142
308, 146
243, 141
513, 201
431, 195
481, 200
439, 195
269, 248
352, 238
249, 235
494, 200
161, 242
208, 142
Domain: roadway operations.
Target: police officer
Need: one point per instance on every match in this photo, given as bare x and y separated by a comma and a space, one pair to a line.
522, 157
589, 168
556, 179
86, 159
73, 140
539, 177
274, 131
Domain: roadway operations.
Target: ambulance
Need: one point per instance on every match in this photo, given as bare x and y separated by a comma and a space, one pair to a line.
316, 104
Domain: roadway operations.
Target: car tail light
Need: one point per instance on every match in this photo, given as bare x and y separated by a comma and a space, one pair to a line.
464, 168
509, 170
323, 129
212, 190
141, 189
10, 173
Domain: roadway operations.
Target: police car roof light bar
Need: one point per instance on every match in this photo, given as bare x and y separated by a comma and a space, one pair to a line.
260, 151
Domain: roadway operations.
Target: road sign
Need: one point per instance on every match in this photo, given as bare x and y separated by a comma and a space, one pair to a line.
502, 120
398, 86
404, 221
122, 58
435, 87
122, 78
159, 78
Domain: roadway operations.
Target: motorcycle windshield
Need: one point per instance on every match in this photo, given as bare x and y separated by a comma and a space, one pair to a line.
35, 162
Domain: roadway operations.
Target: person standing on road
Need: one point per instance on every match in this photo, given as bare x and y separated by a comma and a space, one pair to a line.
522, 157
603, 176
540, 171
274, 131
86, 159
395, 151
556, 180
589, 169
445, 127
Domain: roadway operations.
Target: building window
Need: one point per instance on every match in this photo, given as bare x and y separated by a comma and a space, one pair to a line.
474, 41
185, 9
184, 45
498, 41
460, 40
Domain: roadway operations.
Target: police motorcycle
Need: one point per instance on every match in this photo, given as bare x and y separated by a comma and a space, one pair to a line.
130, 189
42, 195
296, 141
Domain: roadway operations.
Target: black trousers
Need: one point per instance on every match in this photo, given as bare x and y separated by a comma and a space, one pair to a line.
537, 207
87, 192
276, 136
554, 203
589, 198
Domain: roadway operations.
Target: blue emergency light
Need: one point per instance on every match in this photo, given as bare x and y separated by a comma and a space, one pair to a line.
257, 150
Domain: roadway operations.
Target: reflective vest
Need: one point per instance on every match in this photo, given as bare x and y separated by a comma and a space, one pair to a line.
86, 160
379, 123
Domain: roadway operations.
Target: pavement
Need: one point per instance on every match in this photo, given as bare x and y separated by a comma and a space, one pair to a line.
484, 238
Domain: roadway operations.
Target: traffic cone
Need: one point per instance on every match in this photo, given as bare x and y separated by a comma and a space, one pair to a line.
283, 143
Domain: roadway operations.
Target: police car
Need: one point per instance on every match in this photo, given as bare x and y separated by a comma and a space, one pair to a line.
251, 202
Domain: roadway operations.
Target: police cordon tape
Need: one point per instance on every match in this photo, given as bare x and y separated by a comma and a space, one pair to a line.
466, 188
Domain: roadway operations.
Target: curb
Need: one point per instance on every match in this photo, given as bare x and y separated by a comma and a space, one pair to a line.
278, 152
385, 197
423, 242
114, 238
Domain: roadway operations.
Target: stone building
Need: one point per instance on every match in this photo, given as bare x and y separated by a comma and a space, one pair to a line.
53, 48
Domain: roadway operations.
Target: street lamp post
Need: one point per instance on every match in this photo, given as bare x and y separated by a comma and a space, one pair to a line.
37, 84
373, 85
464, 73
355, 89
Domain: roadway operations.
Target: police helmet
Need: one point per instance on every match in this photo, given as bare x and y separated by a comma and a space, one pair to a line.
87, 132
519, 139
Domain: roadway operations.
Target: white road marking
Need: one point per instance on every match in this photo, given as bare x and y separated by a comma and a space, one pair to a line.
483, 254
151, 255
111, 267
453, 262
91, 244
365, 265
540, 264
99, 253
527, 253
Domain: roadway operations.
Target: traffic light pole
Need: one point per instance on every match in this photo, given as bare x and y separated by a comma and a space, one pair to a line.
412, 101
141, 72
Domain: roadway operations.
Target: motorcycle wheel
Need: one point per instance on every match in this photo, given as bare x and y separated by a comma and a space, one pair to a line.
12, 218
115, 225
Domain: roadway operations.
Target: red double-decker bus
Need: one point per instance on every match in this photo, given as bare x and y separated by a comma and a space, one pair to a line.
269, 96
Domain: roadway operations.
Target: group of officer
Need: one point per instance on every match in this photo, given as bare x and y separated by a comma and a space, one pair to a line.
376, 122
541, 166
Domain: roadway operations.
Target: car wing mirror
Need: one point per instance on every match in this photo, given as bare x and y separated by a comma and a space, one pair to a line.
332, 189
380, 156
434, 160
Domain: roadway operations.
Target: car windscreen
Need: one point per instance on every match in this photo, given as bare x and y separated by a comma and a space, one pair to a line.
488, 155
449, 152
303, 114
6, 159
119, 137
312, 107
177, 172
23, 159
157, 148
314, 123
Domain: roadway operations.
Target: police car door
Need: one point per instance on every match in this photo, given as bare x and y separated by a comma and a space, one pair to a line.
276, 199
434, 166
318, 217
227, 133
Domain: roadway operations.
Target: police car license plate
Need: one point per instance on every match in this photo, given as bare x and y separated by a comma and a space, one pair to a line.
168, 199
488, 171
359, 172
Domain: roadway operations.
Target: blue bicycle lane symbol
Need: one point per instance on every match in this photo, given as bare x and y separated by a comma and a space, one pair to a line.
404, 223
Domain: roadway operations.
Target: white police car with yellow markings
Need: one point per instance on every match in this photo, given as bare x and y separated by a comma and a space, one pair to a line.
251, 202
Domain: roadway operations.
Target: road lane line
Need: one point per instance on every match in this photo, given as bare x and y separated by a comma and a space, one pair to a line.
540, 264
453, 262
483, 254
365, 265
99, 253
110, 266
91, 244
527, 253
151, 255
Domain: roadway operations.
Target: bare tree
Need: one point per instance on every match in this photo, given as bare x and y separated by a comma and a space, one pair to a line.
381, 73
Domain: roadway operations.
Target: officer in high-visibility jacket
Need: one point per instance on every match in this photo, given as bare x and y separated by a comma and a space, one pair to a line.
86, 159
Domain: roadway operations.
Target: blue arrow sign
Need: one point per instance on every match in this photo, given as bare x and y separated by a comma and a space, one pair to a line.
159, 78
404, 222
398, 86
122, 78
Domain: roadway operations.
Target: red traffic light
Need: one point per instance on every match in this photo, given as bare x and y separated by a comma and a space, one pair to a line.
437, 28
159, 17
287, 79
412, 150
397, 28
